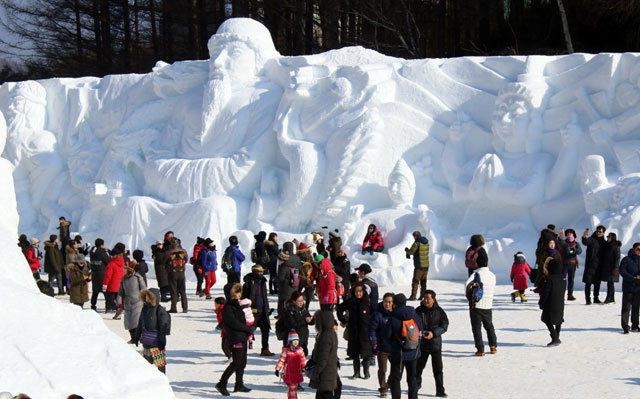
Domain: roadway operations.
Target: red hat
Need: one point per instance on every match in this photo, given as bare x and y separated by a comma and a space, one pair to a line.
302, 246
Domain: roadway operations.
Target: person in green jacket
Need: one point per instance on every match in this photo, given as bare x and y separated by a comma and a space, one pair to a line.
420, 252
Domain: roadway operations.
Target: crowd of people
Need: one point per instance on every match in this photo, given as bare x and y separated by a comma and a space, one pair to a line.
390, 334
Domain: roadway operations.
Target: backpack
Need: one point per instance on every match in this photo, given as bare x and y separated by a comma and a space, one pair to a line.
475, 291
259, 260
294, 277
207, 260
410, 335
470, 258
95, 262
281, 329
177, 261
226, 261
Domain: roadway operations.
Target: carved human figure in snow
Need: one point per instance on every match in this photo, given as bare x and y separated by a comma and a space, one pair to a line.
396, 224
39, 170
237, 137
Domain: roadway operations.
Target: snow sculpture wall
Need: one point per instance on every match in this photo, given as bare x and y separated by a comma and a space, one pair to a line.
253, 140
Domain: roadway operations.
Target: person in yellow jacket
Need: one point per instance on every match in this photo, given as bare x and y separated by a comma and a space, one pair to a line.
420, 252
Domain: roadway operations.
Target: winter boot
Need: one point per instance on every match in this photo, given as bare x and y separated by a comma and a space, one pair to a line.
239, 387
523, 297
514, 294
222, 388
266, 352
365, 368
356, 369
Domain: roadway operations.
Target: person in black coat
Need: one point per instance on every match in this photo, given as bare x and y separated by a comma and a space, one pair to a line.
609, 266
357, 322
402, 358
272, 248
380, 338
592, 263
297, 318
342, 267
630, 272
153, 327
159, 259
552, 301
236, 331
98, 259
141, 265
290, 265
325, 356
255, 288
436, 323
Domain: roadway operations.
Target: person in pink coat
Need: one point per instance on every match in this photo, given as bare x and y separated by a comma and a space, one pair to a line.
290, 364
373, 241
327, 292
113, 275
520, 271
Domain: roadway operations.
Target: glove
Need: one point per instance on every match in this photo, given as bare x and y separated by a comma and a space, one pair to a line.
277, 373
104, 288
374, 347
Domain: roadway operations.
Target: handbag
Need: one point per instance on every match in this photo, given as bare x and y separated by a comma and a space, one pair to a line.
149, 338
310, 369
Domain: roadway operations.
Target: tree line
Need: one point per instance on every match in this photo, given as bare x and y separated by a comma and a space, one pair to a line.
99, 37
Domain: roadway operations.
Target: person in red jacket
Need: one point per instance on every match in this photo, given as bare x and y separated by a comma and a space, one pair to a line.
31, 253
113, 276
520, 271
196, 262
327, 293
373, 241
290, 365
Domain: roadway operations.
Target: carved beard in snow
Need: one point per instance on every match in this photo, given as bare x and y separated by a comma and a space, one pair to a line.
217, 97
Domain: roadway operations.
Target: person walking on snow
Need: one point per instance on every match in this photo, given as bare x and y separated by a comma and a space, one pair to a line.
290, 365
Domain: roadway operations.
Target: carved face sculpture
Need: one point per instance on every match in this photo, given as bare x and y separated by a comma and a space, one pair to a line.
402, 185
239, 49
510, 122
592, 173
235, 61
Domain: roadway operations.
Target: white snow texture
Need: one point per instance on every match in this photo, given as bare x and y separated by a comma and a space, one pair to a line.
251, 140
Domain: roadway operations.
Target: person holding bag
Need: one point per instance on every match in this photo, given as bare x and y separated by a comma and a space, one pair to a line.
153, 327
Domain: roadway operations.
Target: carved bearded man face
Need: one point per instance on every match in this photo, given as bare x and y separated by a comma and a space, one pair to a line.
238, 52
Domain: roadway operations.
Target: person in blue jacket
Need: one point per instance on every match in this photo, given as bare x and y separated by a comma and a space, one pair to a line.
380, 337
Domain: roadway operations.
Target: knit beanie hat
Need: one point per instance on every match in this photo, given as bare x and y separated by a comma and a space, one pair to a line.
293, 336
317, 258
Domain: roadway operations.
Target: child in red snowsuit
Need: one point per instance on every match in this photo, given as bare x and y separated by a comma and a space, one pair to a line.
520, 271
291, 363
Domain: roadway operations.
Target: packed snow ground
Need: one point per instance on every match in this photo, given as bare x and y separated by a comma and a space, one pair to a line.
594, 360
